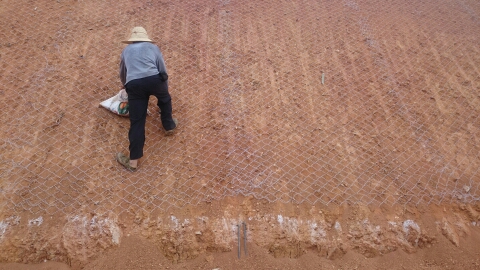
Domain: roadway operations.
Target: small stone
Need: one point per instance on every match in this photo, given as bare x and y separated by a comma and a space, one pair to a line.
209, 258
455, 176
466, 188
450, 233
198, 233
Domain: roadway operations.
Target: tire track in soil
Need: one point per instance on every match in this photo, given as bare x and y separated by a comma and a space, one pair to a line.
86, 161
464, 150
442, 170
283, 77
260, 75
46, 108
443, 77
286, 72
233, 105
164, 162
346, 128
357, 108
387, 72
308, 95
360, 107
410, 169
440, 166
337, 169
201, 26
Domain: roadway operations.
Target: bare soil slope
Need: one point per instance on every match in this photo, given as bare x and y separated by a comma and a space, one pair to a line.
357, 113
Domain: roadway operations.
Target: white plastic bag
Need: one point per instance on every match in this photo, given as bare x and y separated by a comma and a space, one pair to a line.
117, 104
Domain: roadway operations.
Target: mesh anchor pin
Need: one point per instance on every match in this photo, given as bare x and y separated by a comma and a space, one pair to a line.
242, 226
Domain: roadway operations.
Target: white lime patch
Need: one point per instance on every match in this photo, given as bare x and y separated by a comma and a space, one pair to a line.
35, 222
4, 224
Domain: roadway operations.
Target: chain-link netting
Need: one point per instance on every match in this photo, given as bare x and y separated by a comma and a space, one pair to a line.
316, 101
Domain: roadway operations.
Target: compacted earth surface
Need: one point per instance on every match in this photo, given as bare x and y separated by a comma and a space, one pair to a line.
329, 134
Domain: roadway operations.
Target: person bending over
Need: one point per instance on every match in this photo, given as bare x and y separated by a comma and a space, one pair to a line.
143, 73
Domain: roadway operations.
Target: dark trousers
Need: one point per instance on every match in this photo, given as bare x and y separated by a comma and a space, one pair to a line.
139, 92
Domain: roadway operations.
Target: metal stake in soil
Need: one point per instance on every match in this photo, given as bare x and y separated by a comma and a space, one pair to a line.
238, 230
245, 237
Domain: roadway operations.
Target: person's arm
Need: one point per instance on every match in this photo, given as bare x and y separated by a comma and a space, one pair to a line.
162, 70
123, 71
160, 62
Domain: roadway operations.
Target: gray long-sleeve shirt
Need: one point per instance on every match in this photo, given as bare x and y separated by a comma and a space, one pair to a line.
140, 60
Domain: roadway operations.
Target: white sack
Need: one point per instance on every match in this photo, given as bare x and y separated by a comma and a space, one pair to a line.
117, 104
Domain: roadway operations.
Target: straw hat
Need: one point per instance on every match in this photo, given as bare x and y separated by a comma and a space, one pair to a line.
138, 34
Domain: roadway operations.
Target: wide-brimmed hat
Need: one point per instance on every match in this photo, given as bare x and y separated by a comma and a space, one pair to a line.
138, 34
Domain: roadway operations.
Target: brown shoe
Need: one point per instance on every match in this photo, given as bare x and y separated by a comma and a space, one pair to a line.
171, 131
125, 161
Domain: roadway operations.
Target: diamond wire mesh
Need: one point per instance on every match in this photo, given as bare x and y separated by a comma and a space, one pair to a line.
372, 102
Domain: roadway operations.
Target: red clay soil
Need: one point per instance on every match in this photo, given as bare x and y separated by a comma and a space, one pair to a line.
346, 134
138, 253
368, 242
